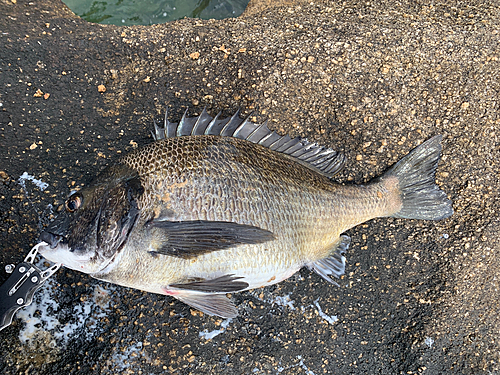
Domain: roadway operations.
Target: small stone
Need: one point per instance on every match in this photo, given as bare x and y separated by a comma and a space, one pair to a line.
194, 55
101, 88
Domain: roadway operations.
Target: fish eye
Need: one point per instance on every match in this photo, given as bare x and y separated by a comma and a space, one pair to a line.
74, 202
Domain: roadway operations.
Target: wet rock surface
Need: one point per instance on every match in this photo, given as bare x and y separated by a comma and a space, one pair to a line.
370, 79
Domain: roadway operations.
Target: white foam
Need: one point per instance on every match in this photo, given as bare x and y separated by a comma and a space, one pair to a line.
43, 218
429, 341
42, 316
27, 177
304, 367
125, 359
300, 364
285, 300
328, 318
210, 335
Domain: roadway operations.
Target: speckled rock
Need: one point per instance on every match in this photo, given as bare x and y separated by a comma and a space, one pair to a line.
371, 79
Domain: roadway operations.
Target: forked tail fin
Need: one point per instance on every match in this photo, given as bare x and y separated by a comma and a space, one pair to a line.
421, 197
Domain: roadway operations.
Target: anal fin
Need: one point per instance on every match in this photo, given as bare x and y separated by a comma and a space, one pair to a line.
208, 295
211, 304
333, 265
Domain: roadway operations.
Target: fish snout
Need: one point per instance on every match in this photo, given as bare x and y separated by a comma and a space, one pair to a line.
51, 238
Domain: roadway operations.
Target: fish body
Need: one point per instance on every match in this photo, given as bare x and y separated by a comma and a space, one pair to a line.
217, 206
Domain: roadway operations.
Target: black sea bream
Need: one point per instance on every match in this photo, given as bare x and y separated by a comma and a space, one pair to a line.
217, 206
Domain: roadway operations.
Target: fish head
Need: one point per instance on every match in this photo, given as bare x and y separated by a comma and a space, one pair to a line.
96, 223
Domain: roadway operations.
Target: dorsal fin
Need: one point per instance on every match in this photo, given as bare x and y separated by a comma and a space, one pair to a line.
319, 158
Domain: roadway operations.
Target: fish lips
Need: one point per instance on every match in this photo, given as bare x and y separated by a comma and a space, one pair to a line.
60, 253
57, 231
52, 239
57, 248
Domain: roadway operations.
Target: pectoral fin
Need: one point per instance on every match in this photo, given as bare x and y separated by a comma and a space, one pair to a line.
188, 239
334, 265
223, 284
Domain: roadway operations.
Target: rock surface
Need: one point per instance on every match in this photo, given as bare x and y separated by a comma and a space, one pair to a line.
371, 79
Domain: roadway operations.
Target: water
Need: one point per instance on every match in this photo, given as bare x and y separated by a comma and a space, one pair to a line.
149, 12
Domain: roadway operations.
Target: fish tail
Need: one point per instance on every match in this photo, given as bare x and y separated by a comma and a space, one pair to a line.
421, 197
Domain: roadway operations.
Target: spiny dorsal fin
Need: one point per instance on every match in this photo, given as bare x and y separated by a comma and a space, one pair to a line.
322, 159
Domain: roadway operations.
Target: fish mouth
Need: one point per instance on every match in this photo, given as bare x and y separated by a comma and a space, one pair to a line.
52, 239
55, 249
57, 254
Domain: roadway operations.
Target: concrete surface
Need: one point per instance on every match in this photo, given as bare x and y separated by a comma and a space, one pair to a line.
371, 79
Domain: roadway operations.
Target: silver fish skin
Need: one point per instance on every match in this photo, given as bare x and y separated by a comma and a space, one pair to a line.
217, 206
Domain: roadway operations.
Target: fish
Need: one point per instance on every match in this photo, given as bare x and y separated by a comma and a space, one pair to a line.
216, 206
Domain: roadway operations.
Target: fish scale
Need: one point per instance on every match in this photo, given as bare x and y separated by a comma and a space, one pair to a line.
295, 202
225, 205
